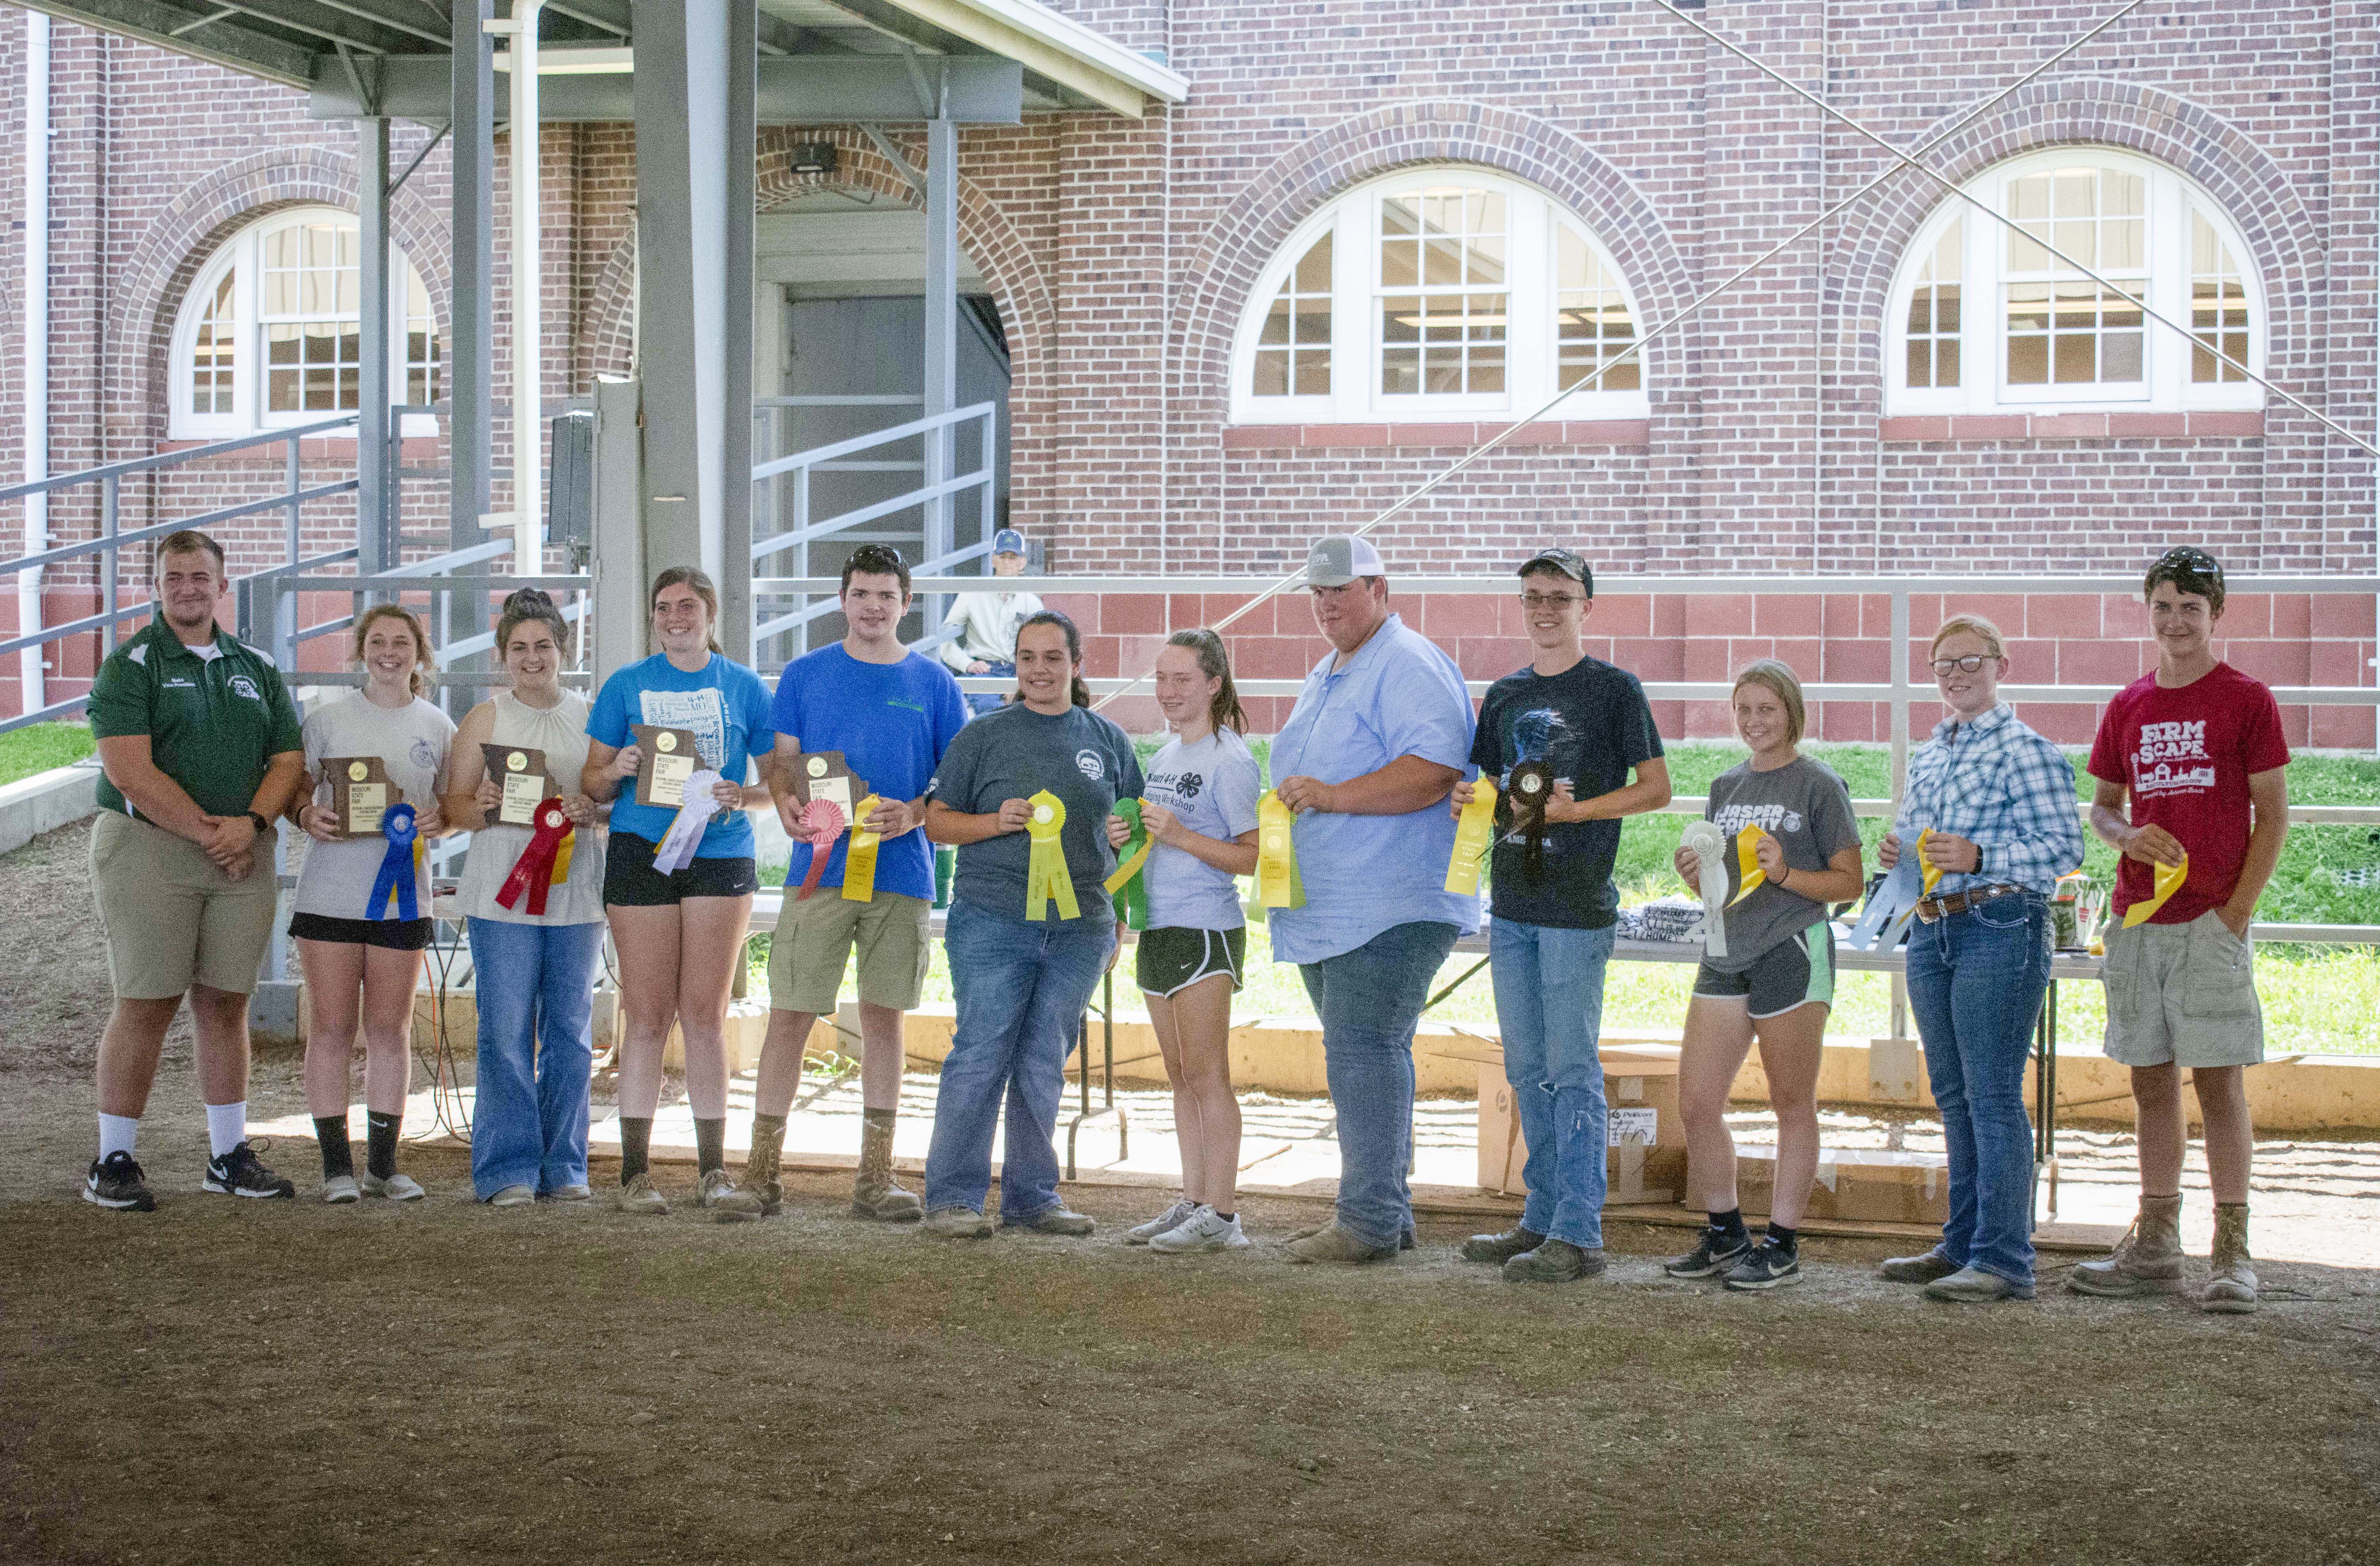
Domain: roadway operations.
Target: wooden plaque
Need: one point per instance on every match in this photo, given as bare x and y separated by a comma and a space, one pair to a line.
670, 759
821, 774
520, 771
360, 792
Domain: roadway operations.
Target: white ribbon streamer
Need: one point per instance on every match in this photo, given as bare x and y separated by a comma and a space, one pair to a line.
1710, 846
685, 835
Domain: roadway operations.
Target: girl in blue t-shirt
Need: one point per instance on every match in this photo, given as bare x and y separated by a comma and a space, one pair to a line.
680, 931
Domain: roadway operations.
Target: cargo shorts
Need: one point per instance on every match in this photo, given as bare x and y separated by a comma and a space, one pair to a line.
171, 919
2183, 994
817, 936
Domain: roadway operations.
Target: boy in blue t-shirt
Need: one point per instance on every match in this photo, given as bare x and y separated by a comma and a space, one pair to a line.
891, 713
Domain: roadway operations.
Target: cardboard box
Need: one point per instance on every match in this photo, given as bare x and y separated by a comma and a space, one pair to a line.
1854, 1185
1646, 1157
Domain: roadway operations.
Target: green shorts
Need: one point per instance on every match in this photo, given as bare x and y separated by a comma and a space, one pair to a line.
1169, 960
171, 919
817, 935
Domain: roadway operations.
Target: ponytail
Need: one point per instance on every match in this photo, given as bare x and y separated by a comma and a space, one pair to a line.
1224, 712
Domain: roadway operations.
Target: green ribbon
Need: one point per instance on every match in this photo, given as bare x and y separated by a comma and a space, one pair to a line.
1130, 879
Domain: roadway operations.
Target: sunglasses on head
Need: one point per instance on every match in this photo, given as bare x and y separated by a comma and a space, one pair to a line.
2191, 558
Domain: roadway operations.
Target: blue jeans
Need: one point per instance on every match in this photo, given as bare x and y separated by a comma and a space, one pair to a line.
1975, 982
1550, 1005
1369, 1000
991, 701
536, 994
1022, 984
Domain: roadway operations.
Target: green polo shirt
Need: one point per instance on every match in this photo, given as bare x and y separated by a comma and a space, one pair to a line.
213, 723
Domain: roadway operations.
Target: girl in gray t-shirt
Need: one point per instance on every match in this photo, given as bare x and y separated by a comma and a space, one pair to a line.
1776, 982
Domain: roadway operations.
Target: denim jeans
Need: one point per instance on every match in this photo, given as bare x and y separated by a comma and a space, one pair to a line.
991, 700
536, 993
1549, 1006
1022, 984
1369, 1000
1975, 982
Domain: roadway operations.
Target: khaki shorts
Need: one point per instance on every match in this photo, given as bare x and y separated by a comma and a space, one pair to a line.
817, 935
2182, 995
171, 919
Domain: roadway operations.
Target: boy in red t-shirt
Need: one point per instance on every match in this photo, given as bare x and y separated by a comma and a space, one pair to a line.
2197, 748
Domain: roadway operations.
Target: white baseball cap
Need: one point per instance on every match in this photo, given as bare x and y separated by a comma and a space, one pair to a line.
1342, 558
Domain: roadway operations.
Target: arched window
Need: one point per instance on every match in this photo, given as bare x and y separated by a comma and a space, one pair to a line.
270, 334
1986, 320
1439, 293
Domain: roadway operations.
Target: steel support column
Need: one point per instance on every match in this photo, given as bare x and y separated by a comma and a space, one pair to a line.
376, 548
468, 370
741, 167
941, 348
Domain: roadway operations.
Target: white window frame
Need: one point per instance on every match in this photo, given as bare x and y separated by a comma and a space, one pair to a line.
1530, 346
245, 250
2165, 386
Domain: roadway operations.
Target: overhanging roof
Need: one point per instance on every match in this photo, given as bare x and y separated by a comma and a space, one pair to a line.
312, 43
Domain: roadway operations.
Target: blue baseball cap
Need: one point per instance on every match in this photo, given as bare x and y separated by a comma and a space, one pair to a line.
1008, 540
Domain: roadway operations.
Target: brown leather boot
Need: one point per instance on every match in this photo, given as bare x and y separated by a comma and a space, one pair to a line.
2147, 1260
875, 1193
760, 1164
2231, 1291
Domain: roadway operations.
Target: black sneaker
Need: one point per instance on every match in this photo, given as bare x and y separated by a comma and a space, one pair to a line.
114, 1182
1717, 1252
1770, 1266
237, 1173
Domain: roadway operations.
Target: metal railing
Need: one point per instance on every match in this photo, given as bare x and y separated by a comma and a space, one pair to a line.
113, 538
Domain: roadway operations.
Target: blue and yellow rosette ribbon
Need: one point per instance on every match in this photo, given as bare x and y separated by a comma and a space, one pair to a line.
1277, 885
1046, 879
1128, 882
398, 867
859, 859
1474, 834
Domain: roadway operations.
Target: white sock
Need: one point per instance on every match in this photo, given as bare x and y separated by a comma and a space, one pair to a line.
117, 1134
226, 1127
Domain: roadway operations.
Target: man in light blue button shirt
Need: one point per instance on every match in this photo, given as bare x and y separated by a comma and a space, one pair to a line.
1380, 735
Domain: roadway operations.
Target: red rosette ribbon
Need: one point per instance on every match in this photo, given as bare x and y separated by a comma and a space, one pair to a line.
532, 873
822, 822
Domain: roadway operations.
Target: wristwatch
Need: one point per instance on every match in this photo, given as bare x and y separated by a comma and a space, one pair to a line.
263, 827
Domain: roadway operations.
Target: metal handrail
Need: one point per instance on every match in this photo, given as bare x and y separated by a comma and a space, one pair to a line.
1616, 585
799, 459
168, 459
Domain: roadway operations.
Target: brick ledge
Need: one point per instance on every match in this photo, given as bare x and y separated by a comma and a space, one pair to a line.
2071, 426
1462, 435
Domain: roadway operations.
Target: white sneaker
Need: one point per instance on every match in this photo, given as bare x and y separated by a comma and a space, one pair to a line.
340, 1189
1206, 1231
396, 1187
1179, 1213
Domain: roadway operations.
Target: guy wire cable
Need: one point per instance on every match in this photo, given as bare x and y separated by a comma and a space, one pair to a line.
1692, 309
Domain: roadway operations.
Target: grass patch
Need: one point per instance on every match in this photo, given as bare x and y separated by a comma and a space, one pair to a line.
37, 748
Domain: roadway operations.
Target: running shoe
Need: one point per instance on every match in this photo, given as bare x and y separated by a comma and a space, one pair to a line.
1205, 1230
237, 1173
1717, 1252
1179, 1213
115, 1183
1770, 1266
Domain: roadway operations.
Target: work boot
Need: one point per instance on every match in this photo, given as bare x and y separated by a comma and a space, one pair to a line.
762, 1163
1972, 1285
2147, 1260
1336, 1247
1917, 1269
1497, 1249
1554, 1261
2231, 1290
875, 1193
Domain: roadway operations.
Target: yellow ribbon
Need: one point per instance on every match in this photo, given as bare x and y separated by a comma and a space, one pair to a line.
1277, 885
562, 852
1747, 864
2168, 882
1473, 833
1045, 871
860, 859
1930, 872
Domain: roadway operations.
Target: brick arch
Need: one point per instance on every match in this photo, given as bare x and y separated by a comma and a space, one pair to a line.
1029, 311
2282, 237
180, 240
1223, 266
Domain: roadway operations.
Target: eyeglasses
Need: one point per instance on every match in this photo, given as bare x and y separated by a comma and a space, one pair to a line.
1967, 665
1534, 601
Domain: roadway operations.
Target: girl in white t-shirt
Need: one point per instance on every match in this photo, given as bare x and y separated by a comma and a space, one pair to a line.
1201, 812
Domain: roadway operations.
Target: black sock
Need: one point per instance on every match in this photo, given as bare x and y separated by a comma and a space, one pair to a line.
636, 1146
338, 1158
1730, 1223
1781, 1237
880, 1117
709, 1144
380, 1143
1228, 1217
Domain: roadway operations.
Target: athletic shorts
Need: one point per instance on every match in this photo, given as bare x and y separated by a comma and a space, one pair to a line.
171, 919
630, 880
817, 935
390, 935
1172, 959
1798, 971
2183, 994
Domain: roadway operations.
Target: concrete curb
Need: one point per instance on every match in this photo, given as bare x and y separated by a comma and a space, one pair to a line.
47, 801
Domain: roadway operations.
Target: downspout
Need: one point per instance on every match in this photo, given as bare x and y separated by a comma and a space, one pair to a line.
32, 681
529, 383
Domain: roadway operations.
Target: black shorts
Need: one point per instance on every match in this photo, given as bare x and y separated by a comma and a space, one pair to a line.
630, 880
1798, 971
391, 935
1172, 959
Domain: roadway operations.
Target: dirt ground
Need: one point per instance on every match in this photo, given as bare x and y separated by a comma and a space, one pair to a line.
286, 1382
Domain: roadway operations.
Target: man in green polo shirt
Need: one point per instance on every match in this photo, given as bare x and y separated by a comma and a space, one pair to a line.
201, 752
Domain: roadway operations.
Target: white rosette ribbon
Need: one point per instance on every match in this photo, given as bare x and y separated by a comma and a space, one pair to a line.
1710, 846
685, 835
